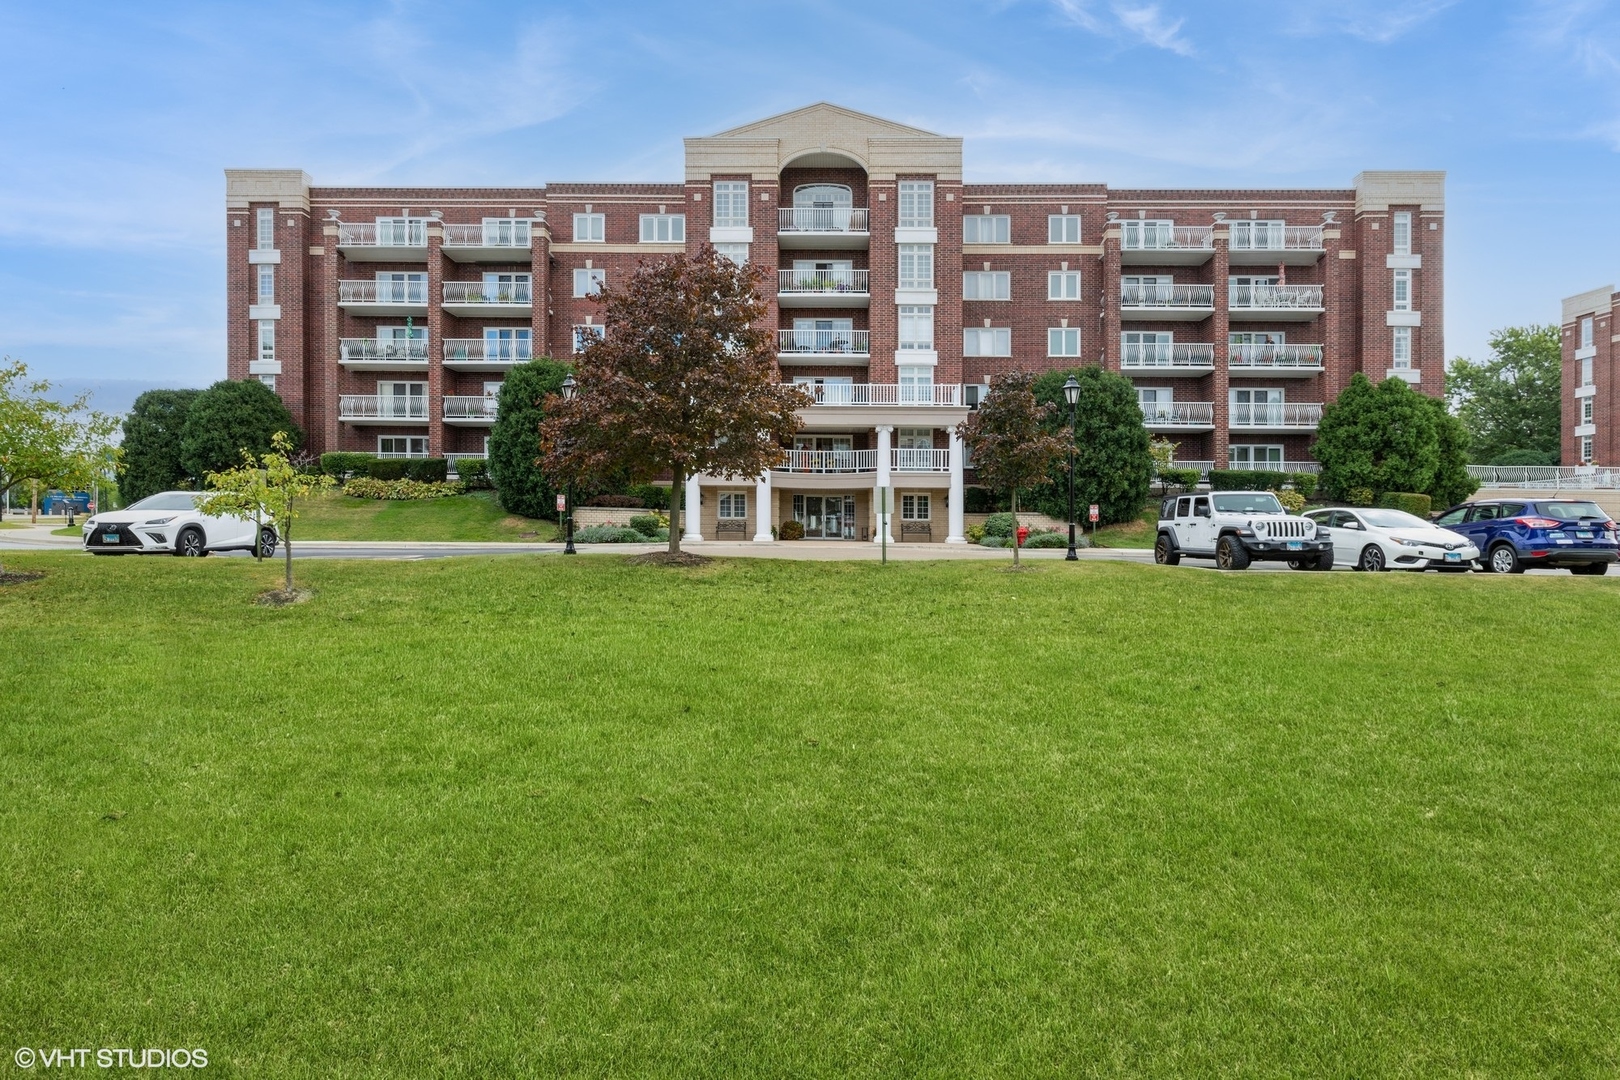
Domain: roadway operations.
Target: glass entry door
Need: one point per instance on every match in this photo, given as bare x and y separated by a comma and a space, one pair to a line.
825, 517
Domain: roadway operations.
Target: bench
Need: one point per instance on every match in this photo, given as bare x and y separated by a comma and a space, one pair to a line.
924, 529
731, 525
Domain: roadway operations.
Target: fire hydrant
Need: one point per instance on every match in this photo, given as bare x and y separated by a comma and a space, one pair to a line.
1023, 534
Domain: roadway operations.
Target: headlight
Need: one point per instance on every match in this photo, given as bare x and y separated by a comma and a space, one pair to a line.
159, 521
1404, 542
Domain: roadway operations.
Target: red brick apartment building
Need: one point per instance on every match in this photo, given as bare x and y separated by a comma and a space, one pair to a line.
1590, 418
386, 317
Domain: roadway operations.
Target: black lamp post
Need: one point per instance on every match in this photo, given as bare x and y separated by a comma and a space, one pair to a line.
569, 389
1071, 394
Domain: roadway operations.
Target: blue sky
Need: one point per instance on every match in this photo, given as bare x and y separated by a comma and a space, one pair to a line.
119, 118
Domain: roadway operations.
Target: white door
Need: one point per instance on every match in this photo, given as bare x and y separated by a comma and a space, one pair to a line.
823, 335
1262, 406
1158, 405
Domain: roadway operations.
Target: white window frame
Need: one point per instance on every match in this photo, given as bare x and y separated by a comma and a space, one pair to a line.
1586, 332
1587, 409
917, 327
1586, 371
916, 384
916, 266
588, 280
1586, 449
916, 204
737, 253
506, 232
987, 285
1062, 228
415, 231
663, 228
907, 438
916, 507
267, 339
1401, 348
266, 289
1063, 285
987, 341
520, 286
1401, 232
1401, 291
987, 229
508, 343
265, 222
589, 228
581, 329
268, 380
411, 443
730, 204
1063, 341
733, 506
1255, 234
1249, 449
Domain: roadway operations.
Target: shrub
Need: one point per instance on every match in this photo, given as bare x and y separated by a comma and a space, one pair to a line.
1186, 479
514, 440
1360, 496
229, 417
431, 470
651, 495
994, 541
1292, 501
792, 530
978, 500
364, 487
1304, 483
342, 464
1245, 479
1414, 504
385, 469
646, 524
974, 533
1052, 540
609, 534
621, 502
474, 473
1000, 525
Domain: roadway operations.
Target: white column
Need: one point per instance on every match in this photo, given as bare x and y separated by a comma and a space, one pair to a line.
694, 511
957, 534
762, 508
884, 440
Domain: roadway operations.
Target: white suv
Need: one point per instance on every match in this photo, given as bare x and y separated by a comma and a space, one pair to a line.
1236, 527
169, 522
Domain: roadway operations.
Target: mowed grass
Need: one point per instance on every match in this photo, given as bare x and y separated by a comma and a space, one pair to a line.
552, 817
475, 516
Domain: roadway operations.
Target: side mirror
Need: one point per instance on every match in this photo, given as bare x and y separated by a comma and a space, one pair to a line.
1200, 511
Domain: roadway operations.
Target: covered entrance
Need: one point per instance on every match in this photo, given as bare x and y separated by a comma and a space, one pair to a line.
825, 517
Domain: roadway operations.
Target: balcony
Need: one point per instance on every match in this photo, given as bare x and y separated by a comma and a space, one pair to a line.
496, 242
823, 347
383, 297
1269, 244
904, 459
1154, 243
1167, 303
822, 227
1269, 361
829, 461
1276, 417
822, 288
481, 354
1179, 415
397, 242
382, 409
1274, 303
475, 410
1165, 358
369, 354
489, 300
928, 395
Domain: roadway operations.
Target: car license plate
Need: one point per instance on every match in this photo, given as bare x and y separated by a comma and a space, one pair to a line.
1296, 545
1453, 556
109, 538
1583, 534
1563, 541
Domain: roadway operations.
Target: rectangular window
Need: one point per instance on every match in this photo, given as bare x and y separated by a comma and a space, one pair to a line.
916, 204
407, 400
988, 341
1586, 332
914, 507
917, 387
1063, 228
395, 287
1254, 456
1401, 231
1063, 341
587, 282
987, 229
914, 438
506, 232
508, 343
663, 228
1147, 234
730, 203
506, 289
1586, 372
401, 232
1063, 285
589, 228
737, 253
267, 283
267, 229
1586, 410
268, 380
585, 333
733, 505
1402, 348
1403, 290
402, 446
1586, 449
1256, 235
917, 327
916, 266
987, 285
267, 339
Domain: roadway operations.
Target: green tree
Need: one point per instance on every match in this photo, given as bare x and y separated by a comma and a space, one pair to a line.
270, 483
1390, 437
1011, 436
48, 443
1452, 484
229, 417
1113, 453
514, 440
1511, 401
151, 443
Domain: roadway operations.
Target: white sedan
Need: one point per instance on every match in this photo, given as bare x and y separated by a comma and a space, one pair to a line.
169, 522
1378, 539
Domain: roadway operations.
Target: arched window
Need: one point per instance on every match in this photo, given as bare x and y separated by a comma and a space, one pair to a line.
824, 195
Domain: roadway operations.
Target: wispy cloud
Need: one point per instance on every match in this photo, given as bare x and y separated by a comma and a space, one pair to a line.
1377, 21
1143, 22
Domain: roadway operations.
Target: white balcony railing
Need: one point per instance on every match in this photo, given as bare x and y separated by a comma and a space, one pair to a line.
924, 459
401, 234
1288, 357
506, 234
1274, 297
1276, 415
829, 461
821, 281
821, 219
381, 407
1168, 296
1178, 413
947, 394
1163, 354
479, 292
1268, 236
497, 351
828, 342
382, 292
455, 460
353, 349
1158, 236
470, 407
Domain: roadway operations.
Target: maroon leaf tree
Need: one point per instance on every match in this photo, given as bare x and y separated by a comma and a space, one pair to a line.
682, 381
1011, 446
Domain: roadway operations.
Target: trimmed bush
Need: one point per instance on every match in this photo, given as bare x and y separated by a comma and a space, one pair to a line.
1000, 525
974, 533
995, 541
431, 470
619, 502
1186, 479
1292, 501
646, 524
344, 464
1360, 496
474, 473
385, 469
610, 534
1245, 479
651, 495
1414, 504
1304, 483
1052, 540
364, 487
792, 530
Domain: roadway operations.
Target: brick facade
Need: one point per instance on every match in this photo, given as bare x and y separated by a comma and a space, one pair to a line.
1589, 376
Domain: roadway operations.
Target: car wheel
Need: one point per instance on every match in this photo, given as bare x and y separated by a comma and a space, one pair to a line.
1504, 560
1323, 561
1597, 569
1372, 559
1230, 554
1164, 554
190, 544
267, 543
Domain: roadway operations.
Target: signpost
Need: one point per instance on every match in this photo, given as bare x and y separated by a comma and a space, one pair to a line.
1094, 513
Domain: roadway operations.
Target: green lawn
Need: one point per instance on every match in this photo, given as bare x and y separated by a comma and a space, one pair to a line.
475, 516
534, 816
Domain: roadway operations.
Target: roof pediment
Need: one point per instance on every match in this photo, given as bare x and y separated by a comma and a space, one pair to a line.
822, 113
822, 134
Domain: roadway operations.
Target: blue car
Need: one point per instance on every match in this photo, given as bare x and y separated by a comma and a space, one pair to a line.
1514, 535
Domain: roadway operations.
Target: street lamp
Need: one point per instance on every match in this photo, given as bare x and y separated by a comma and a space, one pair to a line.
569, 389
1071, 394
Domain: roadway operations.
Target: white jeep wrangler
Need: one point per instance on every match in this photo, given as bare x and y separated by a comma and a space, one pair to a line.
1237, 527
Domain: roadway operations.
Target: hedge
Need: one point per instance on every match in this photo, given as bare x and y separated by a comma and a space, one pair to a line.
647, 524
365, 487
612, 534
1414, 504
474, 473
620, 502
1261, 480
384, 469
343, 465
431, 470
1001, 525
1181, 478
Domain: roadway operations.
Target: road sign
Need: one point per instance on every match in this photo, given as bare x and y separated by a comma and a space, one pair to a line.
1093, 513
562, 504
